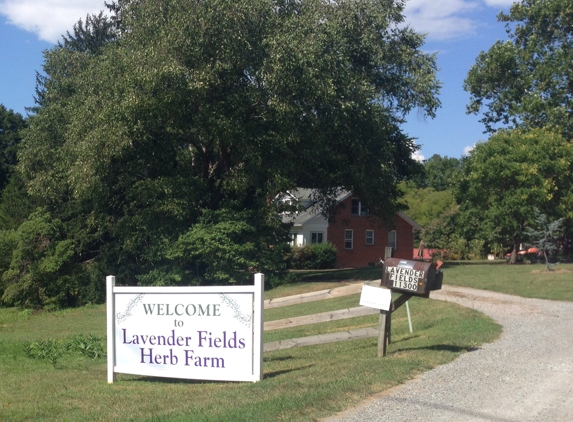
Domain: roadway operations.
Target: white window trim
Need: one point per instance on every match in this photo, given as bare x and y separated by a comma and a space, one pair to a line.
292, 240
395, 245
362, 210
317, 233
366, 238
351, 240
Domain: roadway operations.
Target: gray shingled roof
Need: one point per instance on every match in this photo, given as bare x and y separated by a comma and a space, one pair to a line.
311, 212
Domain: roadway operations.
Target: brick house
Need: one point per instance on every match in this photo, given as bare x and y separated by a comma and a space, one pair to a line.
360, 240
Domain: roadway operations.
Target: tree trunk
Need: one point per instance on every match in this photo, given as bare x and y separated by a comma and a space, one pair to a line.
513, 258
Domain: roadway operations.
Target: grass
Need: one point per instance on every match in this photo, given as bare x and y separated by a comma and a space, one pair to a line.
304, 287
526, 280
299, 384
345, 275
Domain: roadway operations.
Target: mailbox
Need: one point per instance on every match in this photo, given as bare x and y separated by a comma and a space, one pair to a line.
414, 277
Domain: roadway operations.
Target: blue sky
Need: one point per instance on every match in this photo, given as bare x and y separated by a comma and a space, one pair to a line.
457, 30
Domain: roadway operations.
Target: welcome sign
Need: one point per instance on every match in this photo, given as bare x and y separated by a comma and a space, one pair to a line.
207, 333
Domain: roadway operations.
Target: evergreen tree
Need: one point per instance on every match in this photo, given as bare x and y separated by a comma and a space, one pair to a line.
545, 234
11, 125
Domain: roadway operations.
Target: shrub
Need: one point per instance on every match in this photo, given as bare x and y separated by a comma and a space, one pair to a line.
317, 256
41, 271
90, 346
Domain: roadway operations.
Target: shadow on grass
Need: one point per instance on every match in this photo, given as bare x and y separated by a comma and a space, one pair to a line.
342, 275
450, 264
285, 371
277, 358
440, 348
406, 338
164, 380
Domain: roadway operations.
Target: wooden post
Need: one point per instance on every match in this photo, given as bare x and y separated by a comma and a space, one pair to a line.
385, 328
389, 327
383, 333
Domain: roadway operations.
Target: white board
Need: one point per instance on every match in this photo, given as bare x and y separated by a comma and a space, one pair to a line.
376, 297
207, 333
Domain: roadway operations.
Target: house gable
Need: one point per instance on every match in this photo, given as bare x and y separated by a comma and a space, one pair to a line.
308, 226
361, 240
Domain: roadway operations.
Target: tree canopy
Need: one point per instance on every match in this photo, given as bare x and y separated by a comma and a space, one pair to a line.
426, 204
11, 125
507, 177
441, 173
158, 152
527, 82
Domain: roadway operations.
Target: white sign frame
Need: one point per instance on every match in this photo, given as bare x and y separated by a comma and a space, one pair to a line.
238, 304
376, 297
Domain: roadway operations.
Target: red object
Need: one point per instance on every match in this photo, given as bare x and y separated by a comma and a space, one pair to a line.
528, 251
427, 254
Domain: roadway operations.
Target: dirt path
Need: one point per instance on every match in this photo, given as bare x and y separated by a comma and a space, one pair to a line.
526, 375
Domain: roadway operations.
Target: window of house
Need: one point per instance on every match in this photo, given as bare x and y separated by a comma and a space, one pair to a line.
392, 239
292, 241
369, 237
316, 237
358, 208
348, 239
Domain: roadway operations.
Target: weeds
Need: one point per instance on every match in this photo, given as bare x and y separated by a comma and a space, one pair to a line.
89, 346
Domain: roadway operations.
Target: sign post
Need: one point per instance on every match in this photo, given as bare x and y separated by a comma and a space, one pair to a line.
410, 278
207, 333
379, 298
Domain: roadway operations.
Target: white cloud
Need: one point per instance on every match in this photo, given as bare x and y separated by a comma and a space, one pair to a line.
49, 19
447, 19
418, 156
440, 19
468, 149
502, 3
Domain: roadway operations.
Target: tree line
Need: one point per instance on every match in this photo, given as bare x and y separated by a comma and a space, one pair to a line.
523, 90
164, 130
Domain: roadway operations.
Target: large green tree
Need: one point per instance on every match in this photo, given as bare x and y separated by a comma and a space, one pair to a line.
430, 193
11, 125
161, 150
13, 199
527, 81
441, 173
507, 177
426, 204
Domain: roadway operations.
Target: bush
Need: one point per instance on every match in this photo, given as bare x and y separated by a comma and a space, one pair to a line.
41, 272
317, 256
274, 280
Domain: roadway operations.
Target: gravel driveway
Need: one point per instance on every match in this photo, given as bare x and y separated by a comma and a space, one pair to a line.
525, 375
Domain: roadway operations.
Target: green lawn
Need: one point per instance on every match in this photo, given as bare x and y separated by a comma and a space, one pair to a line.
299, 384
526, 280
